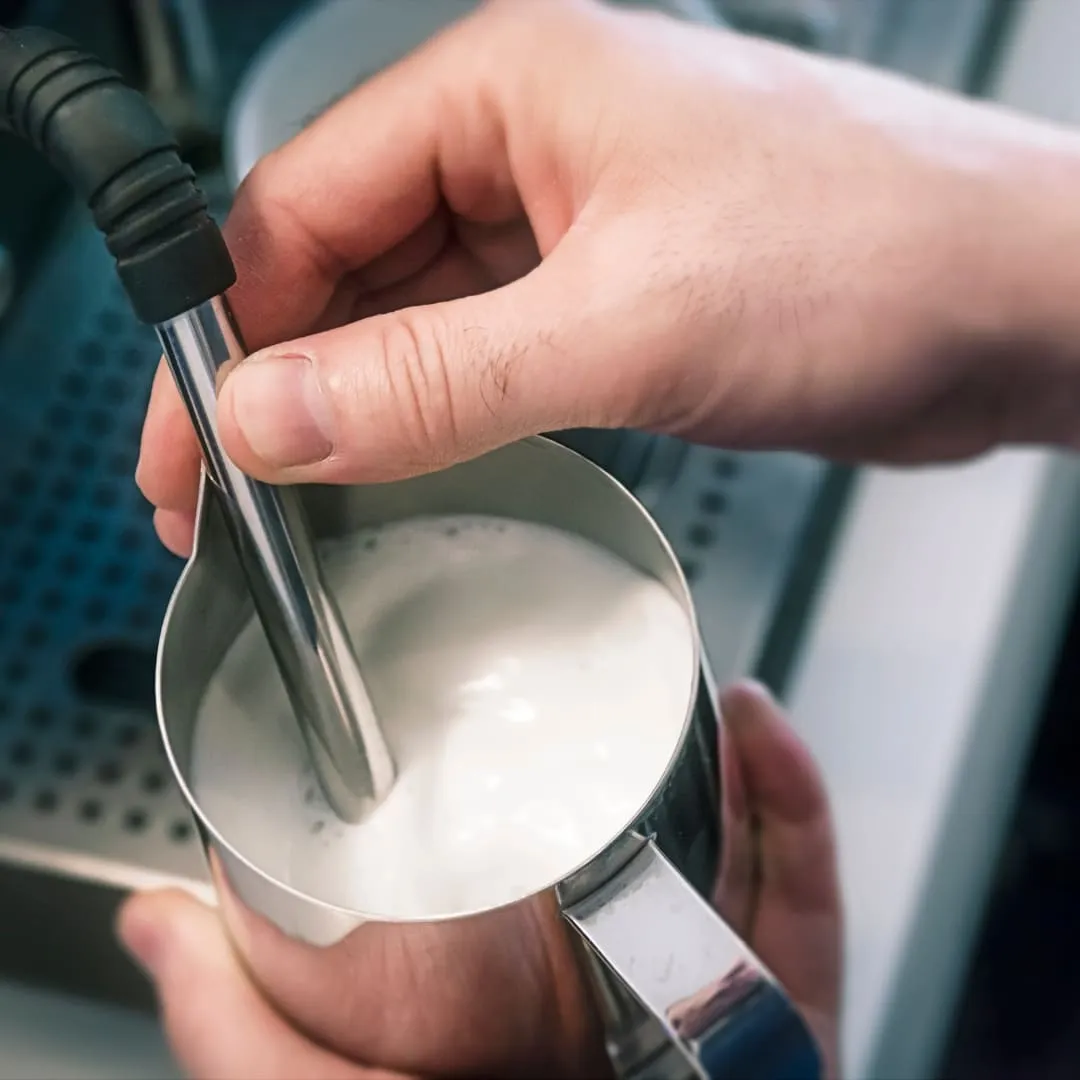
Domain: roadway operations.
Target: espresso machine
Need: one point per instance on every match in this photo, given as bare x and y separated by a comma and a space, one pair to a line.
87, 809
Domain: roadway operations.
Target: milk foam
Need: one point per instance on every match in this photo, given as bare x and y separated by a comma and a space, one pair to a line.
532, 688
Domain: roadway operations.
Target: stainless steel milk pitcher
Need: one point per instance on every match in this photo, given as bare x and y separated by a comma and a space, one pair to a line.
679, 992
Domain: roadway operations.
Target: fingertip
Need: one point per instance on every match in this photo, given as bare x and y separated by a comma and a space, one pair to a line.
782, 778
748, 702
167, 472
176, 530
150, 925
140, 931
282, 412
235, 443
274, 417
169, 465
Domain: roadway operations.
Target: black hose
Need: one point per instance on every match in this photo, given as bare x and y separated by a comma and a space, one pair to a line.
108, 143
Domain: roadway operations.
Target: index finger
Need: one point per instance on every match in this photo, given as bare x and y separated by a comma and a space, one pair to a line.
364, 178
359, 185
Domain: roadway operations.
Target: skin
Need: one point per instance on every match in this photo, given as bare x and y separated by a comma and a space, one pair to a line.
511, 1004
742, 245
559, 215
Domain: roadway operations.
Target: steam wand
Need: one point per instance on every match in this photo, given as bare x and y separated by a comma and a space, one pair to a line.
111, 147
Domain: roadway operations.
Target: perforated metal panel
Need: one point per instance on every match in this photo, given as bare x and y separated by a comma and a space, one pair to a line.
83, 580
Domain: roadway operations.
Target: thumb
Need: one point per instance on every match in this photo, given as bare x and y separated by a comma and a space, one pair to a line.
424, 387
219, 1026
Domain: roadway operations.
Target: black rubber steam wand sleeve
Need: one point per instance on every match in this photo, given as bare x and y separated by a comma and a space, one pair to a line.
108, 143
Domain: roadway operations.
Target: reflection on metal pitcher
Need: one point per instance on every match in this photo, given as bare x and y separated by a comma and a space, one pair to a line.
661, 955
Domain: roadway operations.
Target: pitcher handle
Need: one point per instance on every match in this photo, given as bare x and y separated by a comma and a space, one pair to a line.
722, 1014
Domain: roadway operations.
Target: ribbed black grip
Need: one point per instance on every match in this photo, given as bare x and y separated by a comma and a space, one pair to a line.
110, 145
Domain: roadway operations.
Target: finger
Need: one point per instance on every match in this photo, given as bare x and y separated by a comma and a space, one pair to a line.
359, 190
368, 174
735, 895
219, 1026
176, 530
169, 458
168, 469
392, 153
786, 792
422, 388
797, 917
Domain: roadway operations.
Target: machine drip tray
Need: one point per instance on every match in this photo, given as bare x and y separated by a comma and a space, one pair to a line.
88, 809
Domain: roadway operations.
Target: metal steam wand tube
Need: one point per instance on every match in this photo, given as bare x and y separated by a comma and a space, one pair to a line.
302, 623
106, 140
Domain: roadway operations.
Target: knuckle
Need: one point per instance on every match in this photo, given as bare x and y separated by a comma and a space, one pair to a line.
270, 178
263, 186
271, 214
417, 356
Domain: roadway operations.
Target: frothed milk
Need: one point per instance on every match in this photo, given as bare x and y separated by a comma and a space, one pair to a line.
531, 686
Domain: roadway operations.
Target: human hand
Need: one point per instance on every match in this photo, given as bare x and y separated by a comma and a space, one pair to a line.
558, 215
508, 1004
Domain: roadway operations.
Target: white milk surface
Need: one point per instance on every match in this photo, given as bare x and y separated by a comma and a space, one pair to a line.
532, 688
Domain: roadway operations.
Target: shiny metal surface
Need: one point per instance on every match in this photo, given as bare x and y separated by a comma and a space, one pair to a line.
637, 904
279, 564
709, 992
